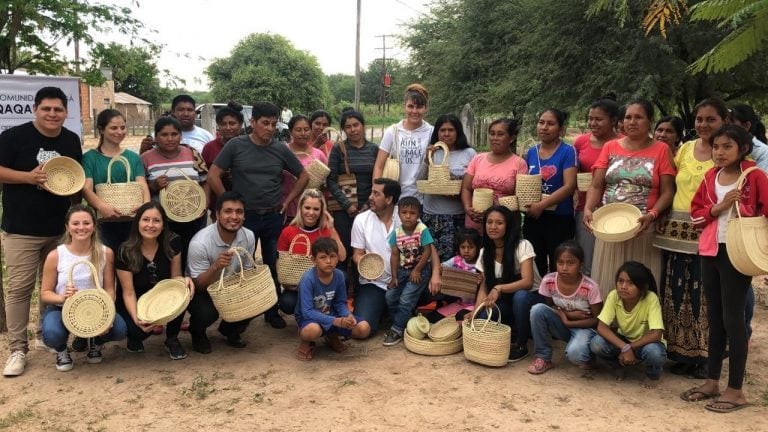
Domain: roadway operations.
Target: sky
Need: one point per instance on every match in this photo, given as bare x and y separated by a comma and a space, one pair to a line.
195, 32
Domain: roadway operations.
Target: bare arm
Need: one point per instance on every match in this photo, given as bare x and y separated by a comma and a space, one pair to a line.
214, 180
337, 239
357, 254
378, 166
298, 188
594, 194
49, 279
11, 176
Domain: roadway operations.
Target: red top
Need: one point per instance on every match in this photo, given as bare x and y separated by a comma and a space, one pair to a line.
300, 247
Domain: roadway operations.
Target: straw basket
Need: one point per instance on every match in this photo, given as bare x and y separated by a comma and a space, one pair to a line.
162, 304
458, 283
90, 312
583, 181
445, 187
677, 233
745, 238
371, 266
125, 197
486, 341
418, 327
183, 200
291, 266
445, 330
527, 189
482, 199
245, 294
616, 222
65, 176
431, 348
317, 171
392, 164
510, 202
440, 172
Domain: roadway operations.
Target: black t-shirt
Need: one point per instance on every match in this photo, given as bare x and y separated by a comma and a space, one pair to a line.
29, 209
142, 279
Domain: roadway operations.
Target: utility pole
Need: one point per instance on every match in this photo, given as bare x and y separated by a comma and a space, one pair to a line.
357, 61
383, 90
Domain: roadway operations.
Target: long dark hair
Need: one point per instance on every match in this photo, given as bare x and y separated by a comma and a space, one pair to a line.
130, 250
461, 137
512, 237
640, 275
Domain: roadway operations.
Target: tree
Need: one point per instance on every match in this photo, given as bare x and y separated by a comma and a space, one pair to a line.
267, 67
401, 74
31, 29
342, 87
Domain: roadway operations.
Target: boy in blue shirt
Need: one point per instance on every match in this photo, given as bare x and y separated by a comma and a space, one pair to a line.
322, 306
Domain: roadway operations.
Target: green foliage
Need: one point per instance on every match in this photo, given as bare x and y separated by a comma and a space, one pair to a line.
342, 87
268, 67
402, 74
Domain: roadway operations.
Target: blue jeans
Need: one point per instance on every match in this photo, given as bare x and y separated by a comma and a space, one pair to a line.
401, 301
55, 334
267, 228
370, 304
515, 311
653, 354
546, 324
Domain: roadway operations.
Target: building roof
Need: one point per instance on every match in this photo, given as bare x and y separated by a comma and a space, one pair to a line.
125, 98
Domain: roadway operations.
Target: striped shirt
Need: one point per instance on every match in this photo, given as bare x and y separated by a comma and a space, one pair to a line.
187, 161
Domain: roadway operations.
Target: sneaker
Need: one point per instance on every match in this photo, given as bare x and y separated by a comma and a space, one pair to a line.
392, 338
41, 346
174, 348
15, 364
135, 346
539, 366
79, 344
517, 353
201, 344
94, 353
274, 319
63, 361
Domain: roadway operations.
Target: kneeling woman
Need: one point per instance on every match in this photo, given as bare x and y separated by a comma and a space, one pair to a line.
151, 253
80, 243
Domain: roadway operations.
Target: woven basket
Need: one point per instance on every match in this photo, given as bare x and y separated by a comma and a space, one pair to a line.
583, 181
442, 172
446, 187
431, 348
527, 189
90, 312
510, 202
371, 266
458, 283
65, 176
445, 330
316, 170
482, 199
677, 233
183, 200
163, 303
745, 239
392, 164
246, 294
616, 222
291, 266
486, 342
125, 197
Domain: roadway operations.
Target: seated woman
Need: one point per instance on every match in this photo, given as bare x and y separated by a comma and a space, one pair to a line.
81, 243
312, 220
151, 253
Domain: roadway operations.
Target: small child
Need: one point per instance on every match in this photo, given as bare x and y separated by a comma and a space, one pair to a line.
572, 303
322, 306
635, 307
468, 243
411, 245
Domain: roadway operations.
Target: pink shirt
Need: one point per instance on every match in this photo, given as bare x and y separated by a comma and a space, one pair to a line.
588, 293
587, 156
497, 176
289, 180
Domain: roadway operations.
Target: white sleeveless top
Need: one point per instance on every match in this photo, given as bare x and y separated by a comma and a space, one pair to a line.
722, 220
81, 277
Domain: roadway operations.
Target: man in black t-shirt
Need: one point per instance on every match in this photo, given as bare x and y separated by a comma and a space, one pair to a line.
33, 218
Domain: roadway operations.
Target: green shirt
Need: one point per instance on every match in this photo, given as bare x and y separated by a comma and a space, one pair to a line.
633, 325
95, 167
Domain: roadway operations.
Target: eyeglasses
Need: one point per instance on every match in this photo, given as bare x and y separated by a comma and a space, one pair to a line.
152, 268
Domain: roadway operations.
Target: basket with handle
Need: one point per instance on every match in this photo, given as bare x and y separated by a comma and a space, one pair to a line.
347, 181
429, 347
527, 189
291, 266
583, 181
458, 283
245, 294
183, 200
745, 239
89, 312
486, 341
392, 164
163, 303
445, 330
125, 197
482, 199
65, 176
510, 202
442, 172
316, 170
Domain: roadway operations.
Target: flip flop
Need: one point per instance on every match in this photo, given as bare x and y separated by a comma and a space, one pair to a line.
306, 351
689, 395
730, 406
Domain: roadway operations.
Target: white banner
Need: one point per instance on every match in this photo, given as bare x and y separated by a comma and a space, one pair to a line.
17, 98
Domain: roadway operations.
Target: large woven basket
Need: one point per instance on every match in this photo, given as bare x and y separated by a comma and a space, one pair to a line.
125, 197
616, 222
90, 312
510, 202
486, 341
677, 233
183, 200
458, 283
440, 172
371, 266
746, 238
291, 266
583, 181
163, 303
431, 348
527, 189
316, 170
482, 199
65, 176
246, 294
445, 330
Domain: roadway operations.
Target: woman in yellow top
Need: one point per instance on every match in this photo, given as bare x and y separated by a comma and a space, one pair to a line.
684, 306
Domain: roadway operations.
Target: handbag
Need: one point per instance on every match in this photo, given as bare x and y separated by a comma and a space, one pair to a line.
347, 182
745, 239
392, 164
123, 196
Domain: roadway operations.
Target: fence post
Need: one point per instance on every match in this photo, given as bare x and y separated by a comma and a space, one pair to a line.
468, 122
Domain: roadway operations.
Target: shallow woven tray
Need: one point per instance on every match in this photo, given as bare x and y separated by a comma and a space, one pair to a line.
65, 176
371, 266
90, 312
616, 222
431, 348
163, 303
445, 330
183, 200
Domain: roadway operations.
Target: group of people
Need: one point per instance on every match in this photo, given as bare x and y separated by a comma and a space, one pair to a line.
540, 269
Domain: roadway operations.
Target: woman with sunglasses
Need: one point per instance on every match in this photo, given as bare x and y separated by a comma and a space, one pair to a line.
150, 254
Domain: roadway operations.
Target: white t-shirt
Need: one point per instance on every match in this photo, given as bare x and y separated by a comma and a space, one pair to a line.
524, 252
370, 235
722, 220
197, 138
410, 149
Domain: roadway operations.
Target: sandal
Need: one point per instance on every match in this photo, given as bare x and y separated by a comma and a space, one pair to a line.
729, 406
306, 351
539, 366
335, 343
693, 394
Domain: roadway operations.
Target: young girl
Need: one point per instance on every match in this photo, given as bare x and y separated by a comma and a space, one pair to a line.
637, 311
468, 244
572, 303
510, 279
726, 287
